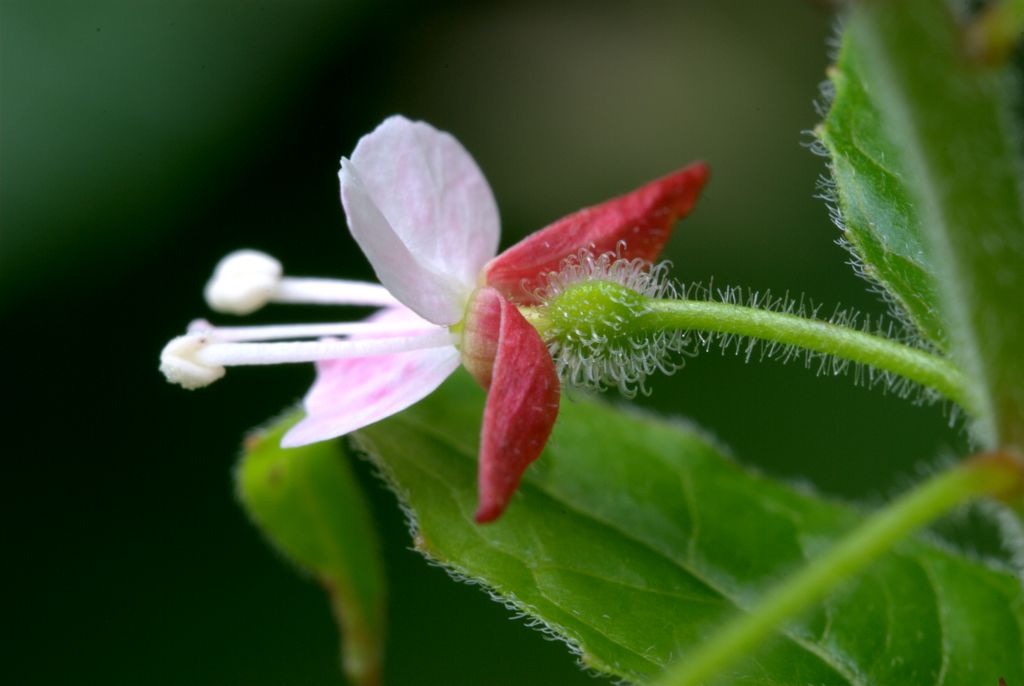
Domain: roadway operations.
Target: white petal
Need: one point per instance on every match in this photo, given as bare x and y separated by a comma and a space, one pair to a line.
436, 296
351, 393
423, 213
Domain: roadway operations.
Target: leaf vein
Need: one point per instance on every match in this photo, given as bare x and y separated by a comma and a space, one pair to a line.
827, 659
929, 574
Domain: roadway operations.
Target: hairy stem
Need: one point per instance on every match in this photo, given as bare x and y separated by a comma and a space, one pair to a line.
815, 335
995, 474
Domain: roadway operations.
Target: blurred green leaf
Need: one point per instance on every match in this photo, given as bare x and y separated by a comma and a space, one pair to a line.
121, 119
994, 33
307, 502
633, 537
926, 162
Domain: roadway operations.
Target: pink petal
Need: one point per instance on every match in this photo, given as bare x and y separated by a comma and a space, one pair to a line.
642, 219
522, 404
351, 393
422, 211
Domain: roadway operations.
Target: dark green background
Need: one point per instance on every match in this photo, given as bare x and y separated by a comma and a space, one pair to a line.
142, 140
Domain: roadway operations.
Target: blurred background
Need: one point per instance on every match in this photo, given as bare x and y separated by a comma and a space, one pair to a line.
140, 141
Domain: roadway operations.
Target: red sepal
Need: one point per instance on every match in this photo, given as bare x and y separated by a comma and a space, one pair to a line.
522, 404
481, 333
642, 219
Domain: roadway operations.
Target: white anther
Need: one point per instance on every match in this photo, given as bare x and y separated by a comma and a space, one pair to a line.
180, 363
243, 282
200, 326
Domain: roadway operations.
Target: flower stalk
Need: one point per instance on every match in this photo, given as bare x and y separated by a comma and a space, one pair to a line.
616, 330
915, 364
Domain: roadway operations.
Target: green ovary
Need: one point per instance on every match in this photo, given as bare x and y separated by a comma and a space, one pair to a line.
593, 331
592, 314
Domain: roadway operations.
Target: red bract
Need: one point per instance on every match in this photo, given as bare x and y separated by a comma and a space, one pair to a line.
640, 221
508, 357
522, 398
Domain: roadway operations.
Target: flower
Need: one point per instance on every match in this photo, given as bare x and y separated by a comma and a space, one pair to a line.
425, 217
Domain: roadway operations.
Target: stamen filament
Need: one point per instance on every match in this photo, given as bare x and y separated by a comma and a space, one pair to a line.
229, 334
312, 291
235, 354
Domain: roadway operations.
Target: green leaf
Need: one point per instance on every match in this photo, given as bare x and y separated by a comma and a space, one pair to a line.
633, 537
307, 502
926, 163
880, 223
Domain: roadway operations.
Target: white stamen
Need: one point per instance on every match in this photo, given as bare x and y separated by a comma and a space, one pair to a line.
180, 364
332, 292
210, 353
225, 334
246, 280
243, 282
198, 359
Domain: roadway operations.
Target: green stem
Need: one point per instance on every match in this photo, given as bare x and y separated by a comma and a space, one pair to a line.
995, 474
842, 342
